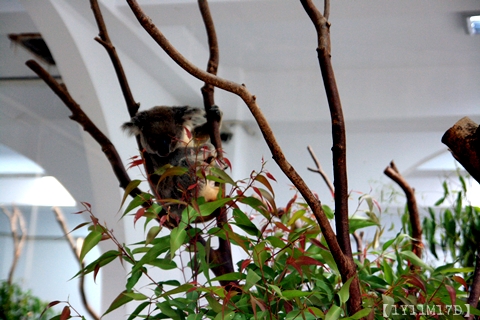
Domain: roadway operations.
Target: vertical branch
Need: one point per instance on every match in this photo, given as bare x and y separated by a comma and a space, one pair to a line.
338, 125
212, 67
322, 27
393, 173
63, 224
16, 218
221, 257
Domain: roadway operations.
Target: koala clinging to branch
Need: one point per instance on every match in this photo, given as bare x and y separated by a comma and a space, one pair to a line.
177, 136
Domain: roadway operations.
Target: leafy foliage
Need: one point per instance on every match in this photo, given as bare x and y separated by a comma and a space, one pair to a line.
17, 304
287, 271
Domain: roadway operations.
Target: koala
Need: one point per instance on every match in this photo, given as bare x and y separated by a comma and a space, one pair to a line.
176, 136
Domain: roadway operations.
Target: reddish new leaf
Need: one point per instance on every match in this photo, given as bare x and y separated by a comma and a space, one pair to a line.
270, 176
140, 213
318, 244
65, 313
308, 261
282, 226
452, 293
461, 281
244, 264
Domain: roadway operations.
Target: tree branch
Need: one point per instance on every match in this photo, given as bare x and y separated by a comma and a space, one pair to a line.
322, 26
267, 133
221, 257
320, 171
63, 224
104, 39
81, 118
393, 173
16, 218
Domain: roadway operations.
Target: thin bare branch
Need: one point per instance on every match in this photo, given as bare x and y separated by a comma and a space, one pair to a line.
16, 219
267, 133
104, 40
359, 242
80, 117
392, 172
320, 171
63, 224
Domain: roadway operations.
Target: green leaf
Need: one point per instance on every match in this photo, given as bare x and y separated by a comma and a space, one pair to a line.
136, 296
410, 256
227, 316
344, 292
251, 280
168, 310
359, 223
388, 272
137, 310
119, 301
165, 264
177, 237
152, 233
232, 276
208, 208
360, 314
214, 304
91, 240
290, 294
131, 185
133, 279
328, 211
244, 223
334, 313
161, 245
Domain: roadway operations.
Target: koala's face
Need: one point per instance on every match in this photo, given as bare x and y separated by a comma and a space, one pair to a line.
162, 129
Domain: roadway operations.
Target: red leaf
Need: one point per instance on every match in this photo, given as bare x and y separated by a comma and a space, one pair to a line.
192, 186
269, 175
414, 280
282, 226
452, 293
308, 261
138, 215
244, 264
318, 244
189, 134
461, 281
290, 203
135, 163
227, 162
65, 313
257, 191
292, 262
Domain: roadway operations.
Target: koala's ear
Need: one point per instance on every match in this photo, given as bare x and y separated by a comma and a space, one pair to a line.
191, 116
136, 124
131, 128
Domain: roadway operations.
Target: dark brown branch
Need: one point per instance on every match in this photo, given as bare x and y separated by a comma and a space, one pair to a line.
104, 40
81, 118
393, 173
63, 224
267, 133
322, 26
359, 241
221, 257
338, 127
212, 67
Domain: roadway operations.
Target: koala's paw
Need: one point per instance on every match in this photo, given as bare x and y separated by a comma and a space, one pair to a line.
215, 113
